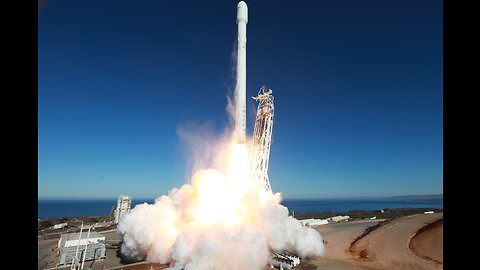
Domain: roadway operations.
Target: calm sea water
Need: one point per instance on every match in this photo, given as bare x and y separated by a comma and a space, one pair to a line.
72, 208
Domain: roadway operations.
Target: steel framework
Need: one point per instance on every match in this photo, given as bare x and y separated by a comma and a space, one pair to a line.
262, 137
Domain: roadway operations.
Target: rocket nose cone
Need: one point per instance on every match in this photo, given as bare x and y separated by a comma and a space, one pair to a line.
242, 4
242, 12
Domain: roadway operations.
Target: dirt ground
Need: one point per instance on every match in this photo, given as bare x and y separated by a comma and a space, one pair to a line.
388, 247
338, 237
384, 248
428, 242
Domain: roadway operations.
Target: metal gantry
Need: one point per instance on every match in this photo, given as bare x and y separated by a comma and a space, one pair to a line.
262, 137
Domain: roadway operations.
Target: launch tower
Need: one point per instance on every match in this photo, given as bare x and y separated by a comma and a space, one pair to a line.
262, 137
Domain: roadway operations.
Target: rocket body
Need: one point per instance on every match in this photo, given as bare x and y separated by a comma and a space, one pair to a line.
241, 85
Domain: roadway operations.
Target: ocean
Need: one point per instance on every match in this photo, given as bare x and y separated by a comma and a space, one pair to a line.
74, 208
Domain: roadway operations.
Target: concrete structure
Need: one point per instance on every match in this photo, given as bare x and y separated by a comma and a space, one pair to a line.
124, 203
59, 226
75, 243
429, 212
313, 222
283, 260
102, 224
241, 85
338, 218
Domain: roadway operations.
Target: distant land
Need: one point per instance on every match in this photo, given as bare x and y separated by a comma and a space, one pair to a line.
56, 208
419, 198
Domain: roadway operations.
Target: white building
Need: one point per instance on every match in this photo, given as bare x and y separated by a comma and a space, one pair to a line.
59, 226
72, 244
124, 204
339, 218
313, 222
283, 260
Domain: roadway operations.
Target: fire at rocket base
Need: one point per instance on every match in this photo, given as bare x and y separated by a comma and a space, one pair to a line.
240, 88
222, 212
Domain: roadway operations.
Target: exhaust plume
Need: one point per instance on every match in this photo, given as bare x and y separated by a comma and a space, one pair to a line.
221, 220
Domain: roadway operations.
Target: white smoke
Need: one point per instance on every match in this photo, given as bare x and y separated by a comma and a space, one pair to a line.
219, 221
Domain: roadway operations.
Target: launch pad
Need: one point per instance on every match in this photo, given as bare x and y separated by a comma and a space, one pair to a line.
232, 205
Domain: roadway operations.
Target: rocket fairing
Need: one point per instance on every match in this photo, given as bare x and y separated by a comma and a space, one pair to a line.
241, 85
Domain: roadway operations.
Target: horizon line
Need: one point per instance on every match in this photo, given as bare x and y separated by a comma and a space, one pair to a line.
283, 198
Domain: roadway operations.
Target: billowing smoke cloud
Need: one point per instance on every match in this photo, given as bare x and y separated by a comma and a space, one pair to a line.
220, 220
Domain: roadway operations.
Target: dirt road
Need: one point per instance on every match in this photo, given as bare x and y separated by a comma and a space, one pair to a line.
388, 246
428, 237
338, 237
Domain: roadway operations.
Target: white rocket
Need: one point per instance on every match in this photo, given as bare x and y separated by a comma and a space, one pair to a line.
241, 87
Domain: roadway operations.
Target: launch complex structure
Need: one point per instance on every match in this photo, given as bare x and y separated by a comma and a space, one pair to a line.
262, 137
262, 134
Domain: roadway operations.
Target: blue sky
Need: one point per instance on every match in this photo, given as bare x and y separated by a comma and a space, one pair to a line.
357, 85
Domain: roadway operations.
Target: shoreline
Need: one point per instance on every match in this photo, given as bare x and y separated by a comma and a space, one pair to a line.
46, 230
388, 213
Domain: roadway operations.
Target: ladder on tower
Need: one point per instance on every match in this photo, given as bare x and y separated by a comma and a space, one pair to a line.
262, 137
